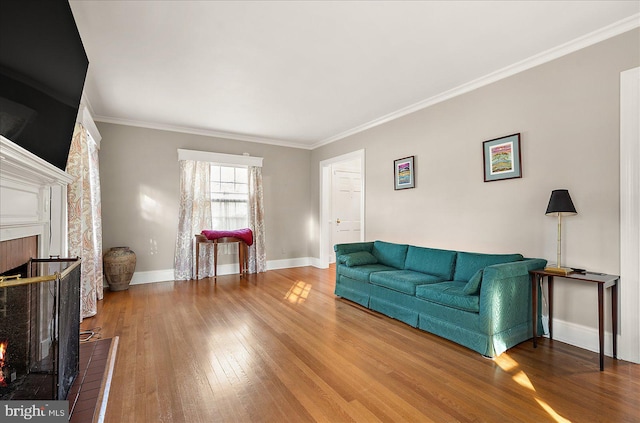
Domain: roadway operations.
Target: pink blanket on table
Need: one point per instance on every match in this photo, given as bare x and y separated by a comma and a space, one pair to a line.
244, 234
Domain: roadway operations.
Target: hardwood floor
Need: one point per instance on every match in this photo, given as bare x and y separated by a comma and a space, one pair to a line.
280, 347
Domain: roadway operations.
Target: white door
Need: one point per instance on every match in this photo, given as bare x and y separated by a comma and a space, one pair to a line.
346, 187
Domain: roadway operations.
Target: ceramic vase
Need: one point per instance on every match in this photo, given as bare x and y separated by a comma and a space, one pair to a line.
119, 263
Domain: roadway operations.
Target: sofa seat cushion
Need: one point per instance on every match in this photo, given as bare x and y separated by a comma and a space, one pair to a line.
451, 294
432, 261
361, 273
403, 280
467, 264
390, 254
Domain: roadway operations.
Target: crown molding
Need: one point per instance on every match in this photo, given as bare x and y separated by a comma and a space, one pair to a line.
579, 43
203, 132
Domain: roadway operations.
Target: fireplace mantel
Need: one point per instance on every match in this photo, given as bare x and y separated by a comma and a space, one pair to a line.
33, 199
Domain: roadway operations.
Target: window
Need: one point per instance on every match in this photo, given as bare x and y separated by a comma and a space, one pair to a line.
227, 199
229, 196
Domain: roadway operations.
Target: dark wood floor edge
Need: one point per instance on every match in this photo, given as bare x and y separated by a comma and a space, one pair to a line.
103, 396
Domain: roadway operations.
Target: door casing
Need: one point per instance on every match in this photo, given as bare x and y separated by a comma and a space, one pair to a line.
325, 202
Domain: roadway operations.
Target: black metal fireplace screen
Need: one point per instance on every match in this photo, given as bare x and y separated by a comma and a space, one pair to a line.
39, 330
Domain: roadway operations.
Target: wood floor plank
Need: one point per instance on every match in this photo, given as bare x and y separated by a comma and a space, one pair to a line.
280, 347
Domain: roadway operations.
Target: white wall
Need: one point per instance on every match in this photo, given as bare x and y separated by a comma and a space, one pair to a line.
567, 112
140, 195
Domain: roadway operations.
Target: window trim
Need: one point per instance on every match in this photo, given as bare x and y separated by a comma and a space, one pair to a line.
219, 158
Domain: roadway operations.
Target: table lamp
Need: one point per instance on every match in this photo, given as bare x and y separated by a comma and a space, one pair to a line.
560, 204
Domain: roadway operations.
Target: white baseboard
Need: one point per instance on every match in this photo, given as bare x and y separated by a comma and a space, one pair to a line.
315, 262
166, 275
297, 262
581, 336
152, 276
288, 263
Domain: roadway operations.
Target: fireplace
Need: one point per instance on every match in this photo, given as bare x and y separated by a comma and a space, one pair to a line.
33, 223
39, 336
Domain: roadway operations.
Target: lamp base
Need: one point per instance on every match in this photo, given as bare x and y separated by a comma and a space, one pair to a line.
558, 270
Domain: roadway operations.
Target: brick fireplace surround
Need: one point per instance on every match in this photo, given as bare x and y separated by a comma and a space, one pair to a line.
16, 252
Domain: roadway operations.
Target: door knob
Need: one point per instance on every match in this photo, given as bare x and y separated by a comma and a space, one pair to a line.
338, 221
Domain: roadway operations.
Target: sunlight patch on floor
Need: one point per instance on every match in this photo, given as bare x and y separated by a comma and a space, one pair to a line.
505, 362
557, 417
298, 292
523, 380
509, 365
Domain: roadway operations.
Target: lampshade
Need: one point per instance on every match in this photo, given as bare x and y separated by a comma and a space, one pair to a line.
560, 203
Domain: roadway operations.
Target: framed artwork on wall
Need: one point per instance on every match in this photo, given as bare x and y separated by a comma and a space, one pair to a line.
404, 173
501, 158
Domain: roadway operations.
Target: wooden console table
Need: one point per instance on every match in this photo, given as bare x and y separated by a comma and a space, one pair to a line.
603, 281
243, 253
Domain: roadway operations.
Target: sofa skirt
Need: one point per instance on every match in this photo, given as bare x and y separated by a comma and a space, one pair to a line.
353, 290
394, 304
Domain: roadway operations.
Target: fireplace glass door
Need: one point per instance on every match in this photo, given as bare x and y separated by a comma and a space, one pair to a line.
39, 329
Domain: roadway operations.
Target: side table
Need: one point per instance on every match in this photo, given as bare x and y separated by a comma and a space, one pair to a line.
602, 280
243, 254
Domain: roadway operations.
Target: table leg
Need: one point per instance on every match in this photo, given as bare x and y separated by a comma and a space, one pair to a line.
534, 308
550, 286
614, 317
197, 258
240, 259
245, 258
601, 323
245, 261
215, 260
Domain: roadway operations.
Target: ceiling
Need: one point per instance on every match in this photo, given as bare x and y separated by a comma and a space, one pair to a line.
304, 74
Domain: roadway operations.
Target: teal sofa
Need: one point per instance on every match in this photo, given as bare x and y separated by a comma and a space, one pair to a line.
480, 301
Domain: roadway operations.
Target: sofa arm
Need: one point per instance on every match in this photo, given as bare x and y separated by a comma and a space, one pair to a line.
353, 247
505, 294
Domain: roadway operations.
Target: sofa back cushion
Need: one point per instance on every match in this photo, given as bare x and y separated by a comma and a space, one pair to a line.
473, 286
352, 247
467, 264
390, 254
431, 261
359, 258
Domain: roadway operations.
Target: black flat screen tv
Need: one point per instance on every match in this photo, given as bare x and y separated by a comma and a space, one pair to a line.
43, 66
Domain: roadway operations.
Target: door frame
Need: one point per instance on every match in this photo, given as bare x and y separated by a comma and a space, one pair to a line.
325, 201
629, 290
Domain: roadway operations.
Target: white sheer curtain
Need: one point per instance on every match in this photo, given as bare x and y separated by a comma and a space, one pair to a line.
85, 217
257, 253
194, 216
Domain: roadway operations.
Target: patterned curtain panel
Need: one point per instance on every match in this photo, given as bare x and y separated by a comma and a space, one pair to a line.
194, 216
257, 254
85, 217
